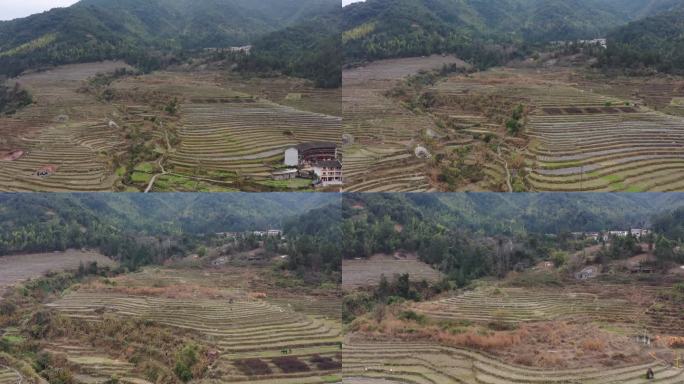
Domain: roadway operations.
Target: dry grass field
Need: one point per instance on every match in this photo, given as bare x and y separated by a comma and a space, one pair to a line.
15, 269
587, 332
367, 272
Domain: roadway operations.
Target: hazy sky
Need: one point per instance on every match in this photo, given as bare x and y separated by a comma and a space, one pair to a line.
12, 9
346, 2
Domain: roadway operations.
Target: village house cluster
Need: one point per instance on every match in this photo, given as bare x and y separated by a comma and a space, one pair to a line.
318, 161
638, 233
266, 233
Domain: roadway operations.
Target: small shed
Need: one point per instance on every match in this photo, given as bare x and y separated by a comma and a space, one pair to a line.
287, 174
587, 273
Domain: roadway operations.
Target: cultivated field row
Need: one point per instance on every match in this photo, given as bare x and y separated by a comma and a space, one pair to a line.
246, 138
580, 140
422, 363
515, 305
385, 132
64, 130
241, 329
367, 272
9, 376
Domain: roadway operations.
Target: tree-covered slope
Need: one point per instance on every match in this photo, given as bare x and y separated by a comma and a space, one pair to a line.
142, 32
377, 29
39, 222
654, 43
495, 213
310, 49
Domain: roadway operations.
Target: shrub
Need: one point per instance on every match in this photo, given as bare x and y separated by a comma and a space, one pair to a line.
513, 126
59, 376
594, 345
186, 359
412, 316
559, 258
7, 308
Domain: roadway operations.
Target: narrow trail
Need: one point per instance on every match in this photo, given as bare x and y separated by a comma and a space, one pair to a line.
154, 178
508, 172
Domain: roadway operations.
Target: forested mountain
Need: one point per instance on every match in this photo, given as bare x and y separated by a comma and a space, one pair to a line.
45, 222
654, 43
467, 236
144, 32
390, 28
314, 239
494, 213
310, 49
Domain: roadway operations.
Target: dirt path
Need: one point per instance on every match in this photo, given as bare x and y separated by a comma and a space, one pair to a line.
508, 171
154, 178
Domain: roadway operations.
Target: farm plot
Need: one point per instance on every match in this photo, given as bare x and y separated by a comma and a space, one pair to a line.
227, 129
291, 92
422, 363
611, 307
65, 131
277, 342
384, 133
9, 376
363, 273
18, 268
246, 138
93, 367
579, 139
587, 142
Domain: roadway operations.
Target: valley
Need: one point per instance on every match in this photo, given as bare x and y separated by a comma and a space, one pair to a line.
194, 131
248, 304
513, 96
578, 132
508, 305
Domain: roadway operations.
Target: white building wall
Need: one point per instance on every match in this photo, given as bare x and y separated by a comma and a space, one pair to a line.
291, 157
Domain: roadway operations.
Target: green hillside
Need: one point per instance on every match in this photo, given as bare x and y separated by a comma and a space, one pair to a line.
479, 29
43, 222
144, 33
652, 44
472, 235
496, 213
310, 49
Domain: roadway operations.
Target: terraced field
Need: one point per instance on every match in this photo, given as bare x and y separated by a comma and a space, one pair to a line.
421, 363
64, 129
93, 367
231, 128
224, 129
22, 267
384, 134
581, 140
9, 376
241, 329
581, 304
245, 138
367, 272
